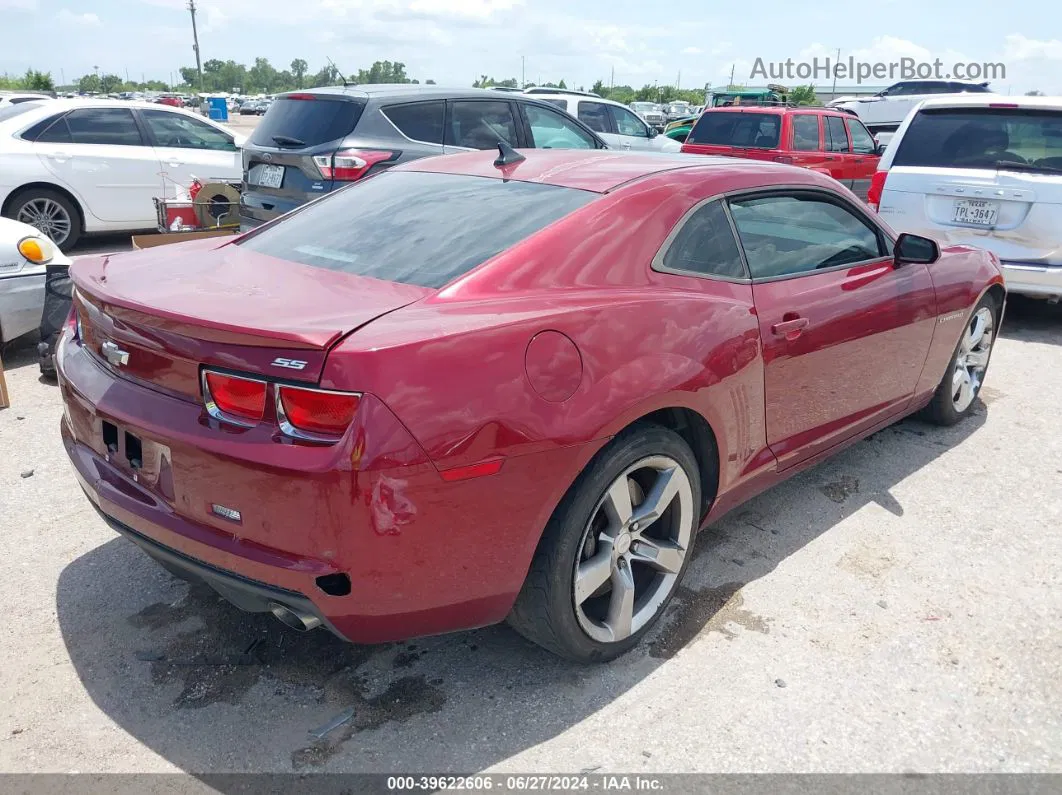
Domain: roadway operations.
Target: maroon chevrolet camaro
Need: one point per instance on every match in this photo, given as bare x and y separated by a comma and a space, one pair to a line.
473, 389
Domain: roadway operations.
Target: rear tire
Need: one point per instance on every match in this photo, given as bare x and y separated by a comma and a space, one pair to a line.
50, 213
615, 549
958, 389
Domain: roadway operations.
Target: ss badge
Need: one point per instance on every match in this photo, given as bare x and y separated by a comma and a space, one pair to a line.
290, 364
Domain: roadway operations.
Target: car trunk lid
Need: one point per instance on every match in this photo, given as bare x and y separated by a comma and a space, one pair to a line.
159, 316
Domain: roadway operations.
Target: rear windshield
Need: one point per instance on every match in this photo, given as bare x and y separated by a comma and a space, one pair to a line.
416, 228
309, 121
983, 138
10, 111
728, 128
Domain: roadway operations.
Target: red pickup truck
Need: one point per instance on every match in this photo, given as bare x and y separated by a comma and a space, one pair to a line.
830, 141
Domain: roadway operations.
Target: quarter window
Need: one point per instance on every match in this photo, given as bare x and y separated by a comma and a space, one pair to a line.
791, 234
420, 121
836, 137
627, 123
481, 125
705, 245
177, 130
552, 130
805, 132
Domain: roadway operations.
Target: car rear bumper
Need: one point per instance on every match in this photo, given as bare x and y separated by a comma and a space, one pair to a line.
1040, 281
21, 304
422, 555
256, 209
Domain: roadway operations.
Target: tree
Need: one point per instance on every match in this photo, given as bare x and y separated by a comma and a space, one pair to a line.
110, 84
804, 95
561, 84
262, 76
429, 82
38, 81
1034, 93
189, 75
89, 84
599, 88
298, 71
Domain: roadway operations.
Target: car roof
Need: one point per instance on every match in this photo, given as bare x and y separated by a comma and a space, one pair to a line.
592, 170
965, 80
777, 109
412, 91
991, 100
577, 97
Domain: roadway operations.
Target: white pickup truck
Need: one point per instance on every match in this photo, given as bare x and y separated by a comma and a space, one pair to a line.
884, 111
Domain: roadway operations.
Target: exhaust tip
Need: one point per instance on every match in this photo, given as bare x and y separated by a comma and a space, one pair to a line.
302, 622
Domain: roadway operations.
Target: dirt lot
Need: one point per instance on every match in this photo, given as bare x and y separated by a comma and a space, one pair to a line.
898, 608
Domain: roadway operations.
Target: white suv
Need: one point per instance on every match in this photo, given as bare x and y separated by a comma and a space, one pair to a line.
884, 111
619, 127
984, 171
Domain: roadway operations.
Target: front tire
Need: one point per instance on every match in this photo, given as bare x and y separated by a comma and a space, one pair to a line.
615, 549
965, 375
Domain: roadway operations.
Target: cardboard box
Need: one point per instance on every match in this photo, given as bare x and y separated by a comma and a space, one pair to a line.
165, 238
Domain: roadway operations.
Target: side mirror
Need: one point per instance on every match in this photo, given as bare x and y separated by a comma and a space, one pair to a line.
915, 250
879, 150
652, 132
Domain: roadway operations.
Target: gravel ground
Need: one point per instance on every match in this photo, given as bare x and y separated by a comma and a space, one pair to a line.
898, 608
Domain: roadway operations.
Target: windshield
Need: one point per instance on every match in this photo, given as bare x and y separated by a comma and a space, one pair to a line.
416, 228
642, 107
983, 138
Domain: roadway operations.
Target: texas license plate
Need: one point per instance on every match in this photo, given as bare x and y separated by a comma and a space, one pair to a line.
270, 176
976, 211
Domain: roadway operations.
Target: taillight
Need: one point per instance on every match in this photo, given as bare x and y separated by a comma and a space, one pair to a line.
351, 164
877, 186
234, 399
314, 413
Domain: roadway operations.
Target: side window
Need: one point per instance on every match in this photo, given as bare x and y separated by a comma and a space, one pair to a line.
52, 130
900, 89
836, 137
552, 130
480, 125
805, 132
705, 245
110, 126
627, 123
421, 121
177, 130
862, 140
595, 116
789, 234
560, 103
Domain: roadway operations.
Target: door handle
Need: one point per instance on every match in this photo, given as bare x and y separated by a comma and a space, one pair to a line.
60, 157
830, 157
791, 326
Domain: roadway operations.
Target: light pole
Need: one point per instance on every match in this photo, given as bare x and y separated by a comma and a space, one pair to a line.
195, 45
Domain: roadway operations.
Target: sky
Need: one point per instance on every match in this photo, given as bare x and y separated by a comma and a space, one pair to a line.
455, 41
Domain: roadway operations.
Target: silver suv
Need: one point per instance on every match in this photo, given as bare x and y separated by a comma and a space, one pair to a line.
315, 141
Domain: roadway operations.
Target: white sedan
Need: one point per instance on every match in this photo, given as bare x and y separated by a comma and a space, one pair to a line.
75, 166
24, 254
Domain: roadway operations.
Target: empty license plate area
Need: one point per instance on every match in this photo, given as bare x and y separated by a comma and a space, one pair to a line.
142, 459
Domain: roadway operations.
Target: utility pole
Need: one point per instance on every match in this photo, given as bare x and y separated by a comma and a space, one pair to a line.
195, 45
523, 64
731, 86
62, 76
612, 80
833, 91
678, 81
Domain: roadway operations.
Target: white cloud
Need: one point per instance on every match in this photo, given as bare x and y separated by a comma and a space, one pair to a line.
19, 5
87, 19
692, 50
1020, 48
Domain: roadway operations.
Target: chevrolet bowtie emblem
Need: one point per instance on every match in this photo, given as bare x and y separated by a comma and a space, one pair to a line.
113, 354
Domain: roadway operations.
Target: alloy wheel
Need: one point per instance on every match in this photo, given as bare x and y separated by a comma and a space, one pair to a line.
48, 217
972, 358
633, 549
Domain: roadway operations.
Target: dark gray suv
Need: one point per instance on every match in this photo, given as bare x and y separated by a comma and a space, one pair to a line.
312, 142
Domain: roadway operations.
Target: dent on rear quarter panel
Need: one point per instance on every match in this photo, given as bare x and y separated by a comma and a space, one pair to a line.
960, 277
